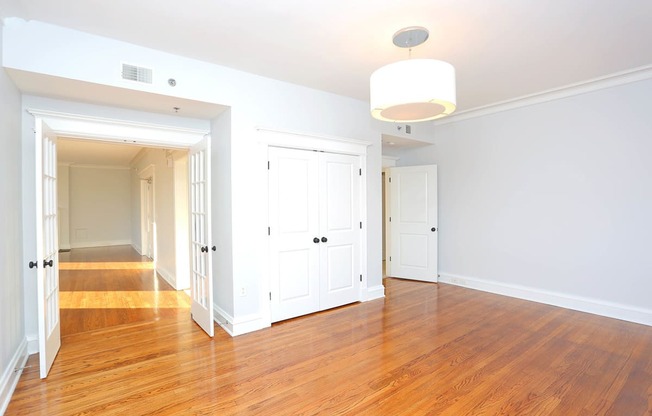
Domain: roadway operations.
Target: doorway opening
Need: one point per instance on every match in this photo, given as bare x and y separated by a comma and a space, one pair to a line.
48, 126
147, 216
109, 274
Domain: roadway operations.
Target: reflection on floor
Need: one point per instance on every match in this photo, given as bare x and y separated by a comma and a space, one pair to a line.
107, 286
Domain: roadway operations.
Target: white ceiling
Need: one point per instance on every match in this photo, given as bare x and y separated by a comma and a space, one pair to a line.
502, 49
91, 152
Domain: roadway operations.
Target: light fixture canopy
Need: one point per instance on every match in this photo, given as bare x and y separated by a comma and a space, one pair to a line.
415, 89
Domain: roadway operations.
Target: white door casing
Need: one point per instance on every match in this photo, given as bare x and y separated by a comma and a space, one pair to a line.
201, 277
314, 217
413, 223
47, 248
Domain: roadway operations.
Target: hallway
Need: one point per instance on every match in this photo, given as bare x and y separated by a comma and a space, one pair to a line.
102, 287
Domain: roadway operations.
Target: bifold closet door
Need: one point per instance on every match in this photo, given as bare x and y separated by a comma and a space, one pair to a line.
294, 225
314, 220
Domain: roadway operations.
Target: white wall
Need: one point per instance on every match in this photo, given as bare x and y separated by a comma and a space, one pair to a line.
551, 201
12, 330
100, 206
63, 202
182, 222
164, 210
222, 226
254, 101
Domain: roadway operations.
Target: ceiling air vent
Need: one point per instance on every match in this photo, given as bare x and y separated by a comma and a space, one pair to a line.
136, 73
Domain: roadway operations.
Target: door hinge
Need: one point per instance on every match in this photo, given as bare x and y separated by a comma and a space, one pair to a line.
270, 295
361, 225
390, 258
361, 278
269, 231
360, 171
390, 219
268, 165
390, 179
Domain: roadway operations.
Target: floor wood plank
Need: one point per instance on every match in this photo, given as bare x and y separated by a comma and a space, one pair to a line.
424, 349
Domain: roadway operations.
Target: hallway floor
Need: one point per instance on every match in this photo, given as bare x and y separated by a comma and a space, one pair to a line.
102, 287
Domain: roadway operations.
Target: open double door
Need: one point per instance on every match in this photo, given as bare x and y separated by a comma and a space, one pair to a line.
47, 245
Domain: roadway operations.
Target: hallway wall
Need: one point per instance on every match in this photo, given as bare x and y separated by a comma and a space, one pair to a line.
100, 206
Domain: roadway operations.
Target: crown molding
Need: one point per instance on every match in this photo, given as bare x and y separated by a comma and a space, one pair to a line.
595, 84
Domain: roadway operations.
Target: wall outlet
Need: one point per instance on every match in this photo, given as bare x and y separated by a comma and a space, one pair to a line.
243, 291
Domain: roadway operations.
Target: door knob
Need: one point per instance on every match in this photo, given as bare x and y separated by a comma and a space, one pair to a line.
33, 264
214, 248
433, 229
47, 263
204, 249
324, 239
315, 240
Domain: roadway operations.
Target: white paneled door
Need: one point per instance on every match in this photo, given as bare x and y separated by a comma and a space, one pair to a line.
339, 208
201, 281
314, 219
294, 232
413, 223
47, 247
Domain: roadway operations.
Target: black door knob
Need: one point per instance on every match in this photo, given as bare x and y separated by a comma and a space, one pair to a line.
315, 240
204, 249
433, 229
324, 239
214, 248
47, 263
33, 264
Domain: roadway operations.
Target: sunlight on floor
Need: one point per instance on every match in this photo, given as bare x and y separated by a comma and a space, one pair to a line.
106, 265
124, 299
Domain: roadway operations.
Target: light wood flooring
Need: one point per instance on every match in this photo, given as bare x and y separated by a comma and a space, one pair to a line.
424, 349
107, 286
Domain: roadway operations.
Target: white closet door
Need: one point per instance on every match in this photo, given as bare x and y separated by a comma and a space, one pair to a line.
339, 209
413, 226
294, 226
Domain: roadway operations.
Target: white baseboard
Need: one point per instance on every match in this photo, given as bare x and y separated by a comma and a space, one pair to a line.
11, 375
238, 326
137, 248
167, 276
374, 292
89, 244
594, 306
32, 343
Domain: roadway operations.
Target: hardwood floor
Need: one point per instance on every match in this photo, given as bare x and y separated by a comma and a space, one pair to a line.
424, 349
107, 286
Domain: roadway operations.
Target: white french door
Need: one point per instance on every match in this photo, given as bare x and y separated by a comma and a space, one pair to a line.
201, 276
314, 217
413, 223
47, 247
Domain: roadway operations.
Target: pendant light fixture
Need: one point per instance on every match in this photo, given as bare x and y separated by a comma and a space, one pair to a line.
415, 89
